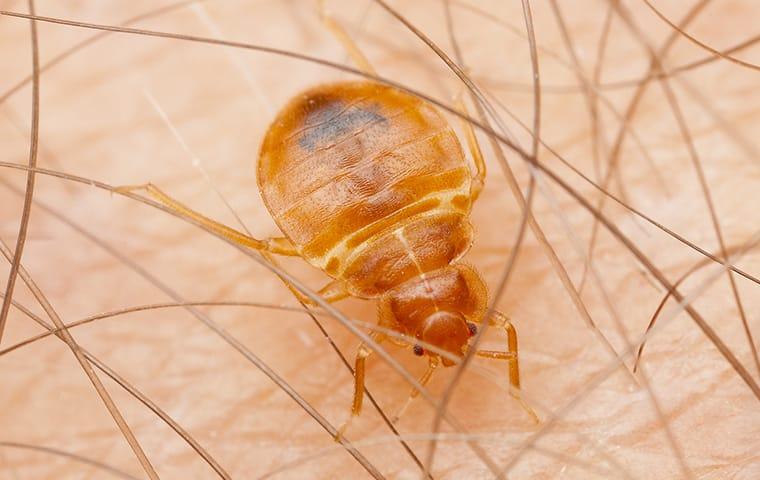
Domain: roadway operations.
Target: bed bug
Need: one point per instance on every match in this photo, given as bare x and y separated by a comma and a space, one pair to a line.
371, 185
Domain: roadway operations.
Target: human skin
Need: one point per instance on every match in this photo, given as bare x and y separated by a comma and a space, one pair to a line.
100, 119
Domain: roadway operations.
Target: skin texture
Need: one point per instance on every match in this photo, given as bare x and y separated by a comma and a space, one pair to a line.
98, 119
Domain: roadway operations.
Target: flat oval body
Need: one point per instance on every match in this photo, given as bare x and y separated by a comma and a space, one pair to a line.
368, 182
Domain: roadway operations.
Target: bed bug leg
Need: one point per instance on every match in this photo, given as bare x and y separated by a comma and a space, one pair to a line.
433, 363
332, 292
342, 36
276, 245
511, 356
359, 369
479, 179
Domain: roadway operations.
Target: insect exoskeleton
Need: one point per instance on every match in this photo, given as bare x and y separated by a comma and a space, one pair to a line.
371, 185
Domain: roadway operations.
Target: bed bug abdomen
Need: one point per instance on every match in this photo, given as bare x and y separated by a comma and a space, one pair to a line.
370, 184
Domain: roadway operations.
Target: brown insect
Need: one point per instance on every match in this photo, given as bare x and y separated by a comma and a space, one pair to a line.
370, 184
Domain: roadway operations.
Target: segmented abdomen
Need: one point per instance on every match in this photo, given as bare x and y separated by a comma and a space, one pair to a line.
369, 183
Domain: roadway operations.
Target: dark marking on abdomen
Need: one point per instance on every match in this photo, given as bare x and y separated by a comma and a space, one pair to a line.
327, 122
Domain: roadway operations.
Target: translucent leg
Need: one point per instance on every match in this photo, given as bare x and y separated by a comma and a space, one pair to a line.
332, 292
511, 356
359, 369
277, 245
479, 179
342, 36
424, 379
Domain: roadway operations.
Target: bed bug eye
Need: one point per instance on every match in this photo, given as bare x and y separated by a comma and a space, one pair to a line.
418, 350
473, 328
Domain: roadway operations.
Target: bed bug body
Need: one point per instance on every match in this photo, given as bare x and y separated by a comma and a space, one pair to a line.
372, 186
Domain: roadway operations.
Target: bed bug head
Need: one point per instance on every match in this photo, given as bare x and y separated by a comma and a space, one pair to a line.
447, 331
440, 308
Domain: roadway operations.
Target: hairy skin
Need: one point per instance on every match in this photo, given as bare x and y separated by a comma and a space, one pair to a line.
99, 119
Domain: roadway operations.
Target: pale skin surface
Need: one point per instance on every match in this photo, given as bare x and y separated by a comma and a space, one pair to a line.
98, 121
